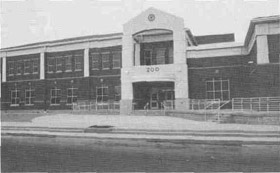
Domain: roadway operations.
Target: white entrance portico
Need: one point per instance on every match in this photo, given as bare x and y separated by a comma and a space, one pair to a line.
154, 50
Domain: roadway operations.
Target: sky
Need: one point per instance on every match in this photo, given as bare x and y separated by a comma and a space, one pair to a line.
29, 21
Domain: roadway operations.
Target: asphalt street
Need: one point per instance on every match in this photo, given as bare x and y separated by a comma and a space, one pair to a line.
55, 154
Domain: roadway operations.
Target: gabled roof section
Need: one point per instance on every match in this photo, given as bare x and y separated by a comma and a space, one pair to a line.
259, 20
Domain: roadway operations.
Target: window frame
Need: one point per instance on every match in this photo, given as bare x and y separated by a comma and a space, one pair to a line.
72, 96
78, 57
118, 60
102, 60
215, 91
151, 57
103, 88
68, 63
11, 68
16, 98
35, 65
57, 95
19, 67
30, 98
51, 67
58, 64
95, 61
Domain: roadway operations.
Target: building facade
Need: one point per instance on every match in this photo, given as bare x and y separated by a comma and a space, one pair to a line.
156, 61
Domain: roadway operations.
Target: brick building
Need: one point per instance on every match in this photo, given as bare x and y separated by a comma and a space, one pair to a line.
155, 60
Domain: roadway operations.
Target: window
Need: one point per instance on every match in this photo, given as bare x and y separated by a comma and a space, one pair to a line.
117, 93
117, 59
15, 97
51, 64
147, 57
58, 64
170, 55
102, 94
160, 56
218, 89
35, 65
19, 67
29, 96
27, 66
95, 60
68, 63
55, 96
72, 94
105, 57
11, 67
78, 62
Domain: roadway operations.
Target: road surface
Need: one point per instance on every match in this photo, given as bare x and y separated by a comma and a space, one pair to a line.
77, 154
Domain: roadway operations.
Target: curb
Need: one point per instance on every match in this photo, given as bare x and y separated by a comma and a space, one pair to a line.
249, 134
179, 139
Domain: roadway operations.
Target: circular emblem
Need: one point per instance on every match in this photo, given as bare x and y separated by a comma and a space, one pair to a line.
151, 17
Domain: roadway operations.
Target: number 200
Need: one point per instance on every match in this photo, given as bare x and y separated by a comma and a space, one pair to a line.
152, 69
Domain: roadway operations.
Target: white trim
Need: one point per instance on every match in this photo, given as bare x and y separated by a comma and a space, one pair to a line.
4, 74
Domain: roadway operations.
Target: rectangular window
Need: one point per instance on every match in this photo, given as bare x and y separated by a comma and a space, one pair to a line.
160, 56
117, 93
55, 96
27, 66
102, 94
218, 89
78, 62
105, 57
15, 97
58, 64
29, 96
147, 57
117, 59
51, 64
95, 61
19, 67
11, 67
35, 65
68, 63
72, 95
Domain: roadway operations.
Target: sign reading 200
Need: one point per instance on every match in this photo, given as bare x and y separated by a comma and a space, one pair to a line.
152, 69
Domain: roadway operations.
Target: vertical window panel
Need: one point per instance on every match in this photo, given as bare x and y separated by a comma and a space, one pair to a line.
68, 63
116, 59
105, 57
95, 61
78, 62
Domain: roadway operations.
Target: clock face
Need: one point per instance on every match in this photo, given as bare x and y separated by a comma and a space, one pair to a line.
151, 17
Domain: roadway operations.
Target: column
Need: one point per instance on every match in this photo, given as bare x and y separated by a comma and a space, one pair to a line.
42, 65
4, 70
126, 106
86, 62
262, 49
137, 54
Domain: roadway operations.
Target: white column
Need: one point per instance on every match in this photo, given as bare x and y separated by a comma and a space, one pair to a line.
179, 44
42, 65
137, 54
4, 65
262, 49
86, 62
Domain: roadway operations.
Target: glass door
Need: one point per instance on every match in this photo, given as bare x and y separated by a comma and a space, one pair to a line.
154, 100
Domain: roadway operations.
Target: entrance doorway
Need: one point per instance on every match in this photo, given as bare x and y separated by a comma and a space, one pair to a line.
153, 95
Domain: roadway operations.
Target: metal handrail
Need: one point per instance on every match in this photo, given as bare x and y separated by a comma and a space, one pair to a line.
211, 104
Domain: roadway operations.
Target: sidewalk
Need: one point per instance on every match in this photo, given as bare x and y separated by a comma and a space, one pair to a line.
144, 127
